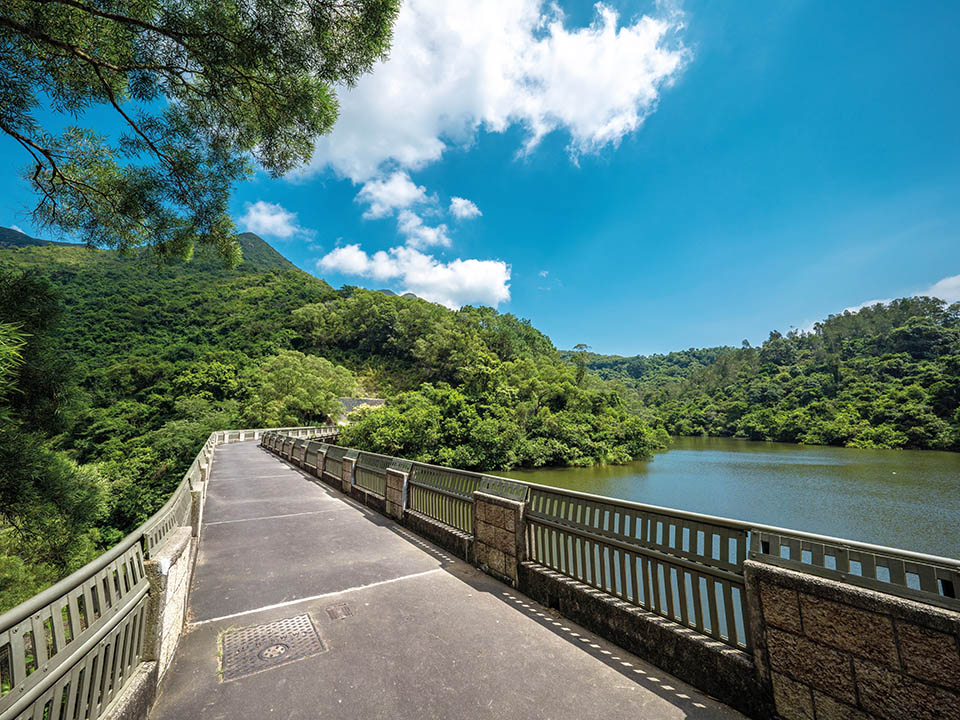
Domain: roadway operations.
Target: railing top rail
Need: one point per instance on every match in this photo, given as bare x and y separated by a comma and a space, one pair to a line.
752, 526
444, 468
362, 452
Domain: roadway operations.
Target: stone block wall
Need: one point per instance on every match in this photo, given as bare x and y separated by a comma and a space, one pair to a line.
831, 650
498, 531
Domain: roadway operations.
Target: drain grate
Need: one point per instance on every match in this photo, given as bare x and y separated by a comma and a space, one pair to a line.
339, 612
262, 647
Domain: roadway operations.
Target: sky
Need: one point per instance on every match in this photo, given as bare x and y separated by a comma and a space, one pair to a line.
639, 177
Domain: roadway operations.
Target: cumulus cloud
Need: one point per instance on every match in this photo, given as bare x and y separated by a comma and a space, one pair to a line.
463, 209
387, 194
453, 284
418, 234
543, 273
14, 227
264, 218
947, 289
458, 66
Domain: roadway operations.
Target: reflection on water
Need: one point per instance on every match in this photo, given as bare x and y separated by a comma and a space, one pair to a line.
903, 498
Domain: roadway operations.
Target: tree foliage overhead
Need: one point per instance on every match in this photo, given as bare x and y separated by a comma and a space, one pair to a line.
200, 87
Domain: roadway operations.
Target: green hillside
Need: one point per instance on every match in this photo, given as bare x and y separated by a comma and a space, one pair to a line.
115, 367
887, 376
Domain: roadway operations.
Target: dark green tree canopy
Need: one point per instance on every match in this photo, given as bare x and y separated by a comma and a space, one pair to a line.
201, 87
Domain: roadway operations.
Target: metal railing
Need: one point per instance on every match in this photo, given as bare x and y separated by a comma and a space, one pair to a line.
68, 651
370, 472
444, 494
926, 578
684, 566
333, 462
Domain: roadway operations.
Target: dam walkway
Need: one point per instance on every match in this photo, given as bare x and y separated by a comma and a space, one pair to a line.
306, 604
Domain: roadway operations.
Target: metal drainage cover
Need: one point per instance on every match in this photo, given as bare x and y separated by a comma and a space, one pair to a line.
338, 612
262, 647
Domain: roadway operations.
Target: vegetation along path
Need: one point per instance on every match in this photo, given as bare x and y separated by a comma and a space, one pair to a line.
389, 626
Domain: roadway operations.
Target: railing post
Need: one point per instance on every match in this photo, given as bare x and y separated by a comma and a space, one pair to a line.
499, 536
396, 494
348, 465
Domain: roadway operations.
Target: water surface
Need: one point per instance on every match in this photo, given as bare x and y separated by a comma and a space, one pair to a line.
903, 498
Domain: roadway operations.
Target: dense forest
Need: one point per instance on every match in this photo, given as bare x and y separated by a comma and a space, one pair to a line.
887, 376
115, 367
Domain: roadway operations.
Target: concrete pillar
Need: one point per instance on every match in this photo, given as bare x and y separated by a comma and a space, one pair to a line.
168, 572
196, 510
347, 465
396, 493
499, 542
828, 649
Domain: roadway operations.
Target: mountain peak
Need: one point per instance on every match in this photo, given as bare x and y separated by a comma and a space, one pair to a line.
258, 253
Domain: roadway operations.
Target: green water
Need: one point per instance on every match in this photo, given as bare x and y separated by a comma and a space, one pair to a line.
903, 498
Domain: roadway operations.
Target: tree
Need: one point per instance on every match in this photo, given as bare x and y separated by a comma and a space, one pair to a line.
581, 360
298, 389
200, 86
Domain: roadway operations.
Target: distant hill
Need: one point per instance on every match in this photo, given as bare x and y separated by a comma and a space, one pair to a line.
885, 376
122, 306
257, 253
9, 237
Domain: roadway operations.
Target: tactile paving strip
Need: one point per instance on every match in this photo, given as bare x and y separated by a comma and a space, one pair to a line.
262, 647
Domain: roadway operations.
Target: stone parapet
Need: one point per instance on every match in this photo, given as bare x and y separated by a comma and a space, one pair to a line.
459, 543
138, 695
832, 650
499, 545
365, 497
168, 572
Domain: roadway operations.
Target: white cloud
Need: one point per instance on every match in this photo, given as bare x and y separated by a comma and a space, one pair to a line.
455, 283
463, 209
387, 194
947, 289
264, 218
543, 273
458, 66
418, 235
14, 227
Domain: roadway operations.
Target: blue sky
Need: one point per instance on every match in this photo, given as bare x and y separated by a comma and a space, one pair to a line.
639, 177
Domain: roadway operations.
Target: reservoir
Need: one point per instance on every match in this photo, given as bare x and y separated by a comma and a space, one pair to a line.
907, 499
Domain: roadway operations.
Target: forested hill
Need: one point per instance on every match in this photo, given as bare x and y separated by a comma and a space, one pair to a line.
886, 376
114, 369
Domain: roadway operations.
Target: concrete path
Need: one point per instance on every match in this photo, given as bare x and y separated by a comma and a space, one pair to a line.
418, 633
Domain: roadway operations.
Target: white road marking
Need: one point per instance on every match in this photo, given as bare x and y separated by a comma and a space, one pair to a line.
271, 517
288, 603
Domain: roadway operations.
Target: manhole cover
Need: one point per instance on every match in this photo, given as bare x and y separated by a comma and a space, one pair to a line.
338, 612
262, 647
